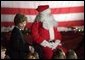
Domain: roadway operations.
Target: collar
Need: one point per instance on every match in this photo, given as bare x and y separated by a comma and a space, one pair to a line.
18, 28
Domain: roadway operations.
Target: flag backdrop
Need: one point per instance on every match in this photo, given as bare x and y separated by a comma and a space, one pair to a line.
66, 13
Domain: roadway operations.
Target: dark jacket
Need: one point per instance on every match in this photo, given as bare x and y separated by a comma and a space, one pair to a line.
17, 47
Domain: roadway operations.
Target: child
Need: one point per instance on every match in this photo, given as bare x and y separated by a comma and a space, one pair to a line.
32, 54
3, 50
18, 47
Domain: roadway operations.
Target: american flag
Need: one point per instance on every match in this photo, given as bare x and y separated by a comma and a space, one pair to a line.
66, 13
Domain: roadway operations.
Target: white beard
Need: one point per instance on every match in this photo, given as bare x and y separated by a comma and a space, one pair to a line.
47, 20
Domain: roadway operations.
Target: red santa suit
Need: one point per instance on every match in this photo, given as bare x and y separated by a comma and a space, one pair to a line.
41, 35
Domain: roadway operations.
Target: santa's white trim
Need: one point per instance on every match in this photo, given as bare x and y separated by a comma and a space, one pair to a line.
51, 33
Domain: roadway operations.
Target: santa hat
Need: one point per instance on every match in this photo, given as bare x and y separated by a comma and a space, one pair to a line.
42, 8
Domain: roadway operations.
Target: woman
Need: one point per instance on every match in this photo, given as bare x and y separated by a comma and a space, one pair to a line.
18, 47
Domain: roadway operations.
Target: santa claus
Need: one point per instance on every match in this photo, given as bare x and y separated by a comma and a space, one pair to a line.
45, 33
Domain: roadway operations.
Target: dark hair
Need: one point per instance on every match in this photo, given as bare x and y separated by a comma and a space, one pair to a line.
19, 18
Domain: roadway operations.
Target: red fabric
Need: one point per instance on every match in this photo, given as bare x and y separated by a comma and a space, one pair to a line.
48, 53
42, 8
40, 34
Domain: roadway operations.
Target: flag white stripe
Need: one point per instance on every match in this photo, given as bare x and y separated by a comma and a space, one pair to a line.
69, 17
7, 29
57, 17
34, 4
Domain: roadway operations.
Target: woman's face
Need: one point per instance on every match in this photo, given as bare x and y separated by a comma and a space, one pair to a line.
22, 25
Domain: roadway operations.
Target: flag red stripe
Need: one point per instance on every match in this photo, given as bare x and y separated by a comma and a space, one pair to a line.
68, 10
71, 23
60, 24
32, 11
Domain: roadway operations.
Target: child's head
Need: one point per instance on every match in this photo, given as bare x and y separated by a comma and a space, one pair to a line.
3, 50
20, 20
59, 54
30, 55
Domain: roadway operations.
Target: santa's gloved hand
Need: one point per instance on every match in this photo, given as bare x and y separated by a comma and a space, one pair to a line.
52, 44
46, 44
57, 42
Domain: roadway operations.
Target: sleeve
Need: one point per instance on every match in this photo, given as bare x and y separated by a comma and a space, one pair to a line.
35, 33
18, 42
